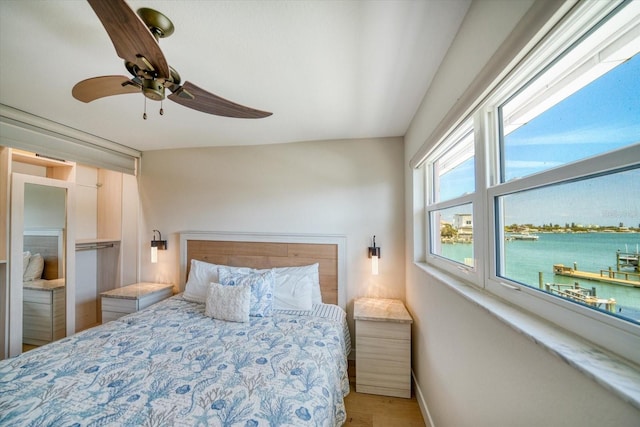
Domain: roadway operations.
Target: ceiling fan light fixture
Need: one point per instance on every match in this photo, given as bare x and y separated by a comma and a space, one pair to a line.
153, 89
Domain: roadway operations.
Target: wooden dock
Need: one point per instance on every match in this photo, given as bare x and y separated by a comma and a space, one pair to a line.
605, 276
628, 260
585, 296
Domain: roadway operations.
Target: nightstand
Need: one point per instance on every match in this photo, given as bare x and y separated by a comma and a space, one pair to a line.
383, 347
129, 299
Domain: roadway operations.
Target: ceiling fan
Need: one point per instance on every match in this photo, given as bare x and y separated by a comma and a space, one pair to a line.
135, 38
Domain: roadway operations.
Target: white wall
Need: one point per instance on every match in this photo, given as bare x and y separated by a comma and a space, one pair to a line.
471, 369
352, 188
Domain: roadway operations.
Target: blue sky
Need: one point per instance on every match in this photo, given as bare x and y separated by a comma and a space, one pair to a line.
603, 116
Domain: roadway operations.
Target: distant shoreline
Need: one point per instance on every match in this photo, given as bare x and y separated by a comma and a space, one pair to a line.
468, 238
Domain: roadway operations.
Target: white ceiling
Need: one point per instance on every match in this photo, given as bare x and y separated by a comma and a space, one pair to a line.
326, 69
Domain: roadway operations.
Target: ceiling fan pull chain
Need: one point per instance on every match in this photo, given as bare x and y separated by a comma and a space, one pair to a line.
144, 115
161, 109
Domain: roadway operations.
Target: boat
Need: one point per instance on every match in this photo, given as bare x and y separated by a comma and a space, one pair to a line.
522, 236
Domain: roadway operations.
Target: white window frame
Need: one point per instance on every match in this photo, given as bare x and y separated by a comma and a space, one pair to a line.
616, 335
451, 266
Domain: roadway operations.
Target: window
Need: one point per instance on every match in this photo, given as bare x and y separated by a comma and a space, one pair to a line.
453, 233
561, 198
577, 241
453, 171
452, 174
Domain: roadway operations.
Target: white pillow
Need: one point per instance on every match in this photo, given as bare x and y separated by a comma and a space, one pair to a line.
25, 261
298, 273
228, 302
286, 277
201, 275
293, 292
34, 269
234, 271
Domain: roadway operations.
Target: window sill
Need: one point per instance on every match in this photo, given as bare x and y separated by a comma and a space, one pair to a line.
612, 372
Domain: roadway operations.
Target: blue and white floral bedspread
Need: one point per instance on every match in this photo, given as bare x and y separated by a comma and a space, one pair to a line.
170, 365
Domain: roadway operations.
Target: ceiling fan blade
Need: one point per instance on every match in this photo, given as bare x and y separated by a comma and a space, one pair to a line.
98, 87
207, 102
130, 35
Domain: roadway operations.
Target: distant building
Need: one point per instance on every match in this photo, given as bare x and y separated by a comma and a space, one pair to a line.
463, 221
464, 224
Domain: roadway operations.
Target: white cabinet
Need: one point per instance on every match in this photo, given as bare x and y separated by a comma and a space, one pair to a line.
129, 299
383, 347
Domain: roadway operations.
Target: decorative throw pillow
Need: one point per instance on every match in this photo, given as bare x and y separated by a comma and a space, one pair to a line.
201, 274
34, 269
228, 302
261, 288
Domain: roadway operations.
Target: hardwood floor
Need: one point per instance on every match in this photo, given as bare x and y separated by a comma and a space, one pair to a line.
370, 410
27, 347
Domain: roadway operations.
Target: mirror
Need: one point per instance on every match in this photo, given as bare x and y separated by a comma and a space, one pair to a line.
41, 285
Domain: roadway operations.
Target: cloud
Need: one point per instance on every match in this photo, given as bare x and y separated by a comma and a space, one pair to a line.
610, 134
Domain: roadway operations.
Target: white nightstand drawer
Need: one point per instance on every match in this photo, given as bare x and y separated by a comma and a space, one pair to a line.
120, 305
108, 316
383, 349
42, 297
392, 330
129, 299
391, 375
153, 298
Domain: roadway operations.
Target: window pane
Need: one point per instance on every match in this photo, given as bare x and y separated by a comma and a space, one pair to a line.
587, 230
454, 171
602, 116
455, 237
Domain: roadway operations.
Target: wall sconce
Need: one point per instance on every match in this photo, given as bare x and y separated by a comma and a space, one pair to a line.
157, 244
374, 254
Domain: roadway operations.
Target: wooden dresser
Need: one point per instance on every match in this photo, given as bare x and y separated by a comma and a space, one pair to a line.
129, 299
43, 311
383, 347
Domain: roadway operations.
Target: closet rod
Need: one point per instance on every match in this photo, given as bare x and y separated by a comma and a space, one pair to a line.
93, 247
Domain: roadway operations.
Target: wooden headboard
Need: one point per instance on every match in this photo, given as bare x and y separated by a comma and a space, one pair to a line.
49, 244
268, 251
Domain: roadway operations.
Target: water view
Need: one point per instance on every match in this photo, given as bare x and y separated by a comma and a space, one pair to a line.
589, 252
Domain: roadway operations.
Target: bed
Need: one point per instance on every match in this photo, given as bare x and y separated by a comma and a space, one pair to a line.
178, 363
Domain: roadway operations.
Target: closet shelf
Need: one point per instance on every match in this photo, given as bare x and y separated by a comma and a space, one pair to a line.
55, 168
38, 160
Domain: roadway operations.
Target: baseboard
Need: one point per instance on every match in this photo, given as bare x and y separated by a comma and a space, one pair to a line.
426, 415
